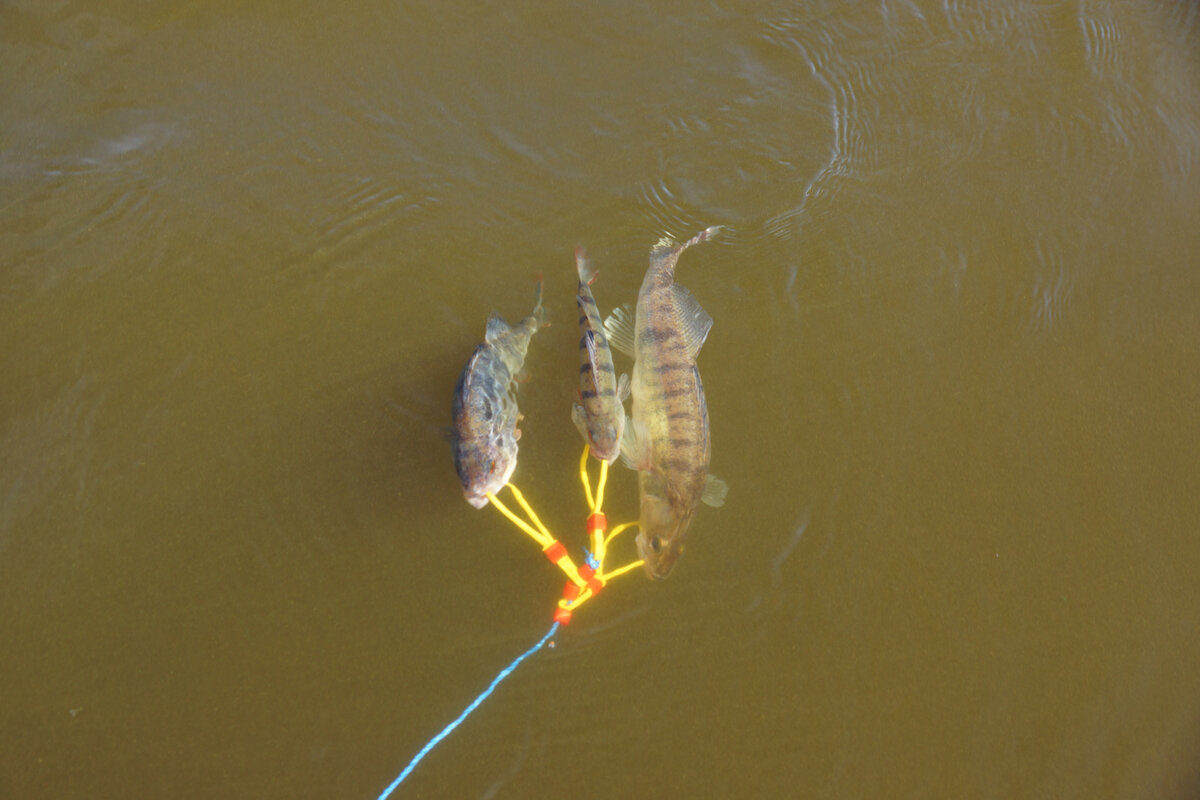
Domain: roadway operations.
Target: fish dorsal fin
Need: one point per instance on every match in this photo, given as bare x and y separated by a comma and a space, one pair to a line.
539, 311
496, 326
714, 492
593, 351
619, 327
635, 445
694, 321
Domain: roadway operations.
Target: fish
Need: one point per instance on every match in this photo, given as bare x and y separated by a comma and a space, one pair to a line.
667, 438
599, 413
484, 436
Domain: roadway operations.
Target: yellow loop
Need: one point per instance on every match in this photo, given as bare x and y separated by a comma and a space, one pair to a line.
599, 541
617, 530
577, 602
608, 576
595, 502
583, 476
544, 539
600, 486
521, 499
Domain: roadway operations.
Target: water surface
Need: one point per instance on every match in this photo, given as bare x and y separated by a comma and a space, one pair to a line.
953, 382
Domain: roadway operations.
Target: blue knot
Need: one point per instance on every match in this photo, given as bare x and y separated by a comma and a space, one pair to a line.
591, 560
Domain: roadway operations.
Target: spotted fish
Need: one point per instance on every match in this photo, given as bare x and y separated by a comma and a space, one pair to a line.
485, 432
667, 438
600, 411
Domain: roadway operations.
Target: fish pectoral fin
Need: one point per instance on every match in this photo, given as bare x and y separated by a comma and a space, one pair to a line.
619, 327
635, 445
694, 322
579, 417
623, 388
496, 327
714, 492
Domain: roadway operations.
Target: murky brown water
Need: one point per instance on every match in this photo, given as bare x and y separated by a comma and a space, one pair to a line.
953, 383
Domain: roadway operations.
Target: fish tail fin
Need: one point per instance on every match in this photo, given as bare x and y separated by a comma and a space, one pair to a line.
666, 251
702, 236
583, 266
539, 311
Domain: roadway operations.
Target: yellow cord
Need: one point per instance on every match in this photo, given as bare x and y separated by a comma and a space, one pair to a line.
596, 502
619, 529
520, 523
600, 486
521, 499
608, 576
583, 476
584, 589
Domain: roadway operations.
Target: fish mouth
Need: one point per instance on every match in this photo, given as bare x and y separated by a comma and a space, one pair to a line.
484, 473
656, 561
652, 574
605, 452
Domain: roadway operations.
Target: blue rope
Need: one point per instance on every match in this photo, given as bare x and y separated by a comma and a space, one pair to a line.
504, 673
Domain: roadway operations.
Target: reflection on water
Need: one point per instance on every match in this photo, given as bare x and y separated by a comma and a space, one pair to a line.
951, 383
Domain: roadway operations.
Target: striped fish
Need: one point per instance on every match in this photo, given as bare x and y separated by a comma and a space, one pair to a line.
667, 438
484, 439
599, 413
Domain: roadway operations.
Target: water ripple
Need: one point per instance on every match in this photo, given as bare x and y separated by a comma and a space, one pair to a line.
664, 210
1103, 41
1050, 297
359, 220
47, 449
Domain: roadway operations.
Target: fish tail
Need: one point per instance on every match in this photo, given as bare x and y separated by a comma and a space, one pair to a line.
539, 311
583, 266
702, 236
667, 243
666, 251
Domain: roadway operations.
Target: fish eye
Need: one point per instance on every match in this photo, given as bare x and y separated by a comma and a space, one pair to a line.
656, 544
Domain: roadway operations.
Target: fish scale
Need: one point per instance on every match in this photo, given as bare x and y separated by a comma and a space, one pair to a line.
599, 413
668, 439
484, 438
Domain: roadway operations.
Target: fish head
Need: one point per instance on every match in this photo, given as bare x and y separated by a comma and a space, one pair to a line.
484, 470
602, 433
663, 523
604, 437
